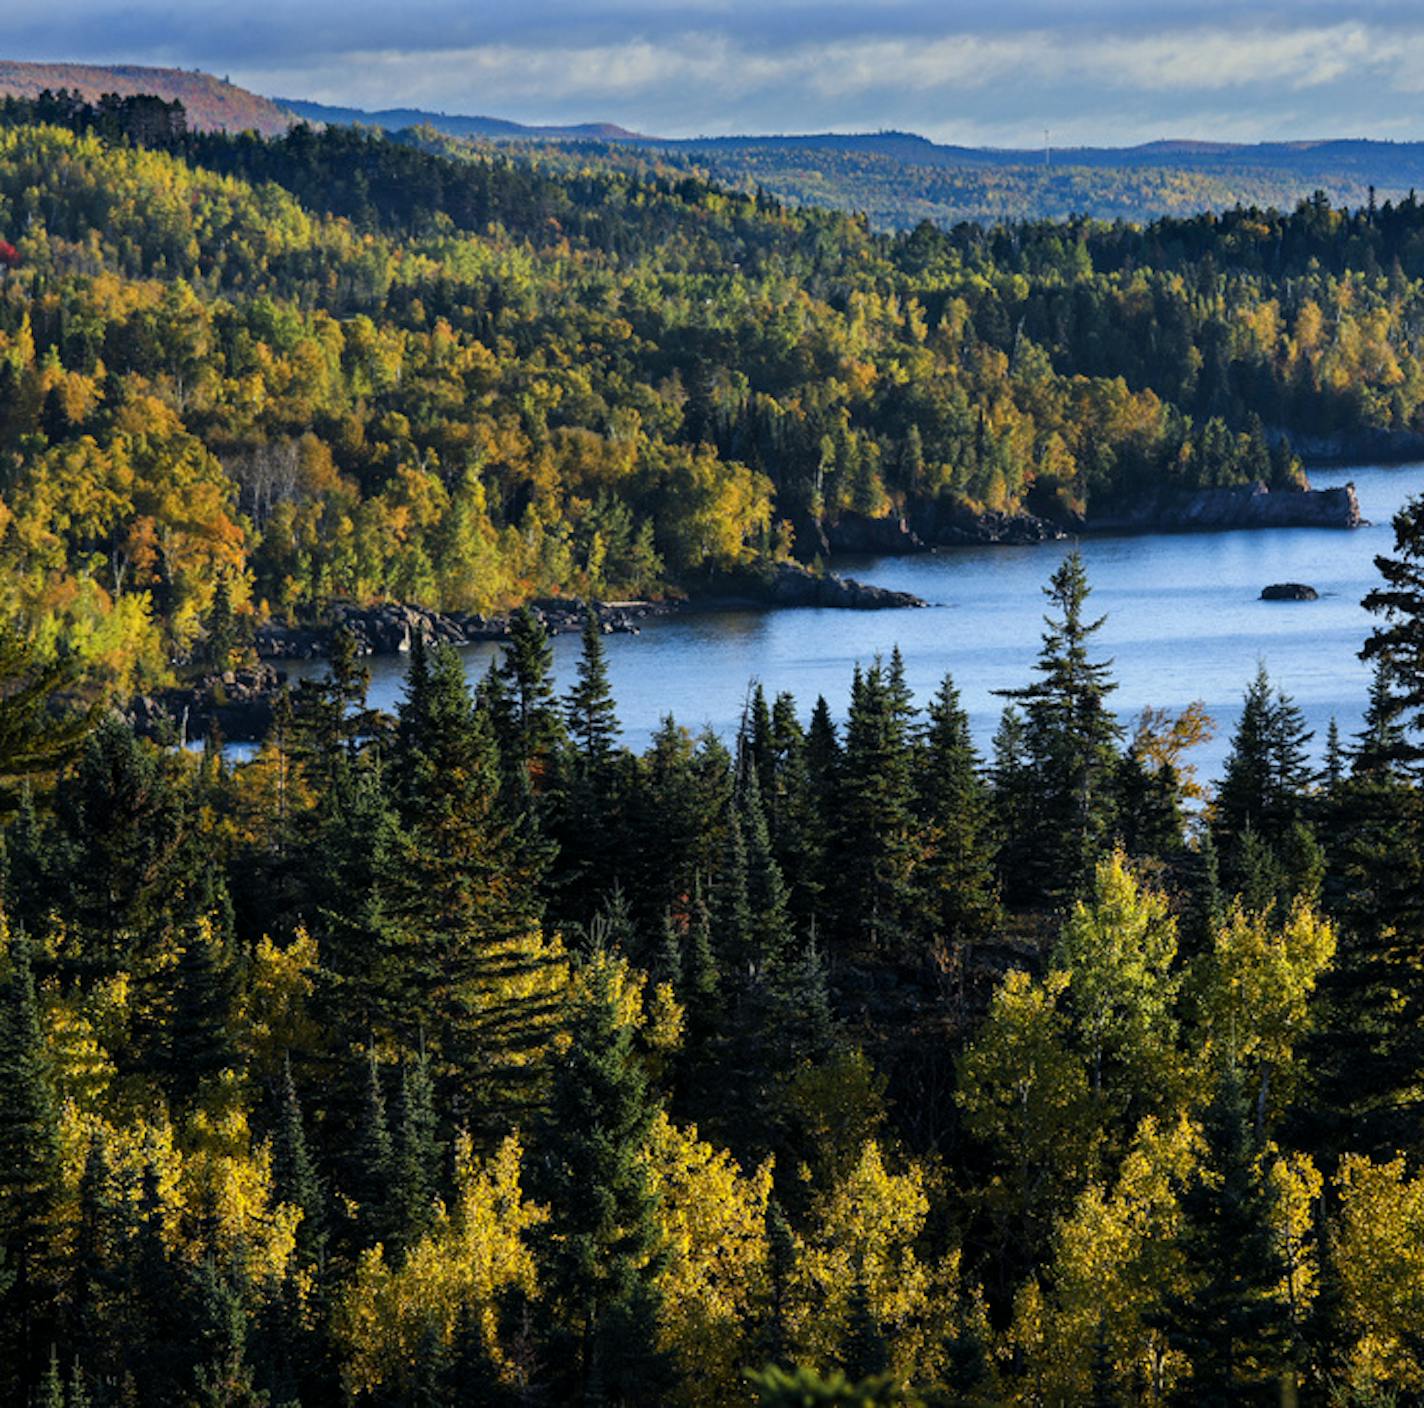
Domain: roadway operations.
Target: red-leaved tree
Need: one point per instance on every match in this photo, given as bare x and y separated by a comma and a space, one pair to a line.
9, 255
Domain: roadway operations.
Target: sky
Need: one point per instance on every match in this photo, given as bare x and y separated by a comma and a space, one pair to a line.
1000, 72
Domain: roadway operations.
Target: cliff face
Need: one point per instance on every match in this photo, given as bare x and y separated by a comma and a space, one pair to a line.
1239, 506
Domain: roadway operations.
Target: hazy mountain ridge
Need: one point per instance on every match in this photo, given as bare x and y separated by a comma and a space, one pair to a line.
896, 178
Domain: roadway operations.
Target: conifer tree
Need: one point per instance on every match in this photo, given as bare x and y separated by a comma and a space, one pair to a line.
528, 667
29, 1160
601, 1253
766, 890
589, 708
415, 1151
372, 1162
957, 874
1013, 796
196, 1040
1227, 1317
1397, 644
1071, 742
1266, 775
35, 738
294, 1175
874, 848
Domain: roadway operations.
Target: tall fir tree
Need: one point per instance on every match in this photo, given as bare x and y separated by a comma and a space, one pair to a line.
601, 1254
1071, 739
874, 847
29, 1165
1397, 644
1227, 1316
956, 874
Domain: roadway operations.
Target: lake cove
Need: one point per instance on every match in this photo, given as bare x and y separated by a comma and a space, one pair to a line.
1184, 621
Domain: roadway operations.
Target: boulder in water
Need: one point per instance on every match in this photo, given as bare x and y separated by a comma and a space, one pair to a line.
1289, 591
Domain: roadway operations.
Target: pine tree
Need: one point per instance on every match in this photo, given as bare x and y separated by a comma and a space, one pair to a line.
865, 1352
1398, 644
294, 1175
1012, 781
223, 1373
1227, 1318
92, 1312
416, 1151
35, 737
588, 708
589, 805
29, 1160
372, 1162
961, 898
528, 667
734, 921
1267, 772
770, 932
196, 1041
774, 1340
601, 1251
874, 844
119, 826
220, 629
1071, 742
455, 911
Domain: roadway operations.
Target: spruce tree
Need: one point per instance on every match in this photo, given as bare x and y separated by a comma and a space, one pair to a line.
416, 1151
1227, 1317
601, 1249
956, 876
372, 1163
875, 842
589, 708
195, 1043
771, 933
1012, 782
1267, 773
1397, 644
455, 911
29, 1164
528, 667
294, 1175
1071, 740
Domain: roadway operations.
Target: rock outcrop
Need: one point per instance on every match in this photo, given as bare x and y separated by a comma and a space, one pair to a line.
945, 523
389, 627
238, 704
856, 533
1289, 591
1234, 506
789, 585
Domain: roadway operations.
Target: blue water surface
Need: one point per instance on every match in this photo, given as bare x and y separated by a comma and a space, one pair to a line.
1184, 622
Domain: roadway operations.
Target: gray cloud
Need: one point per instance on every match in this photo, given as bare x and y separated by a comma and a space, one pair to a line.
1096, 71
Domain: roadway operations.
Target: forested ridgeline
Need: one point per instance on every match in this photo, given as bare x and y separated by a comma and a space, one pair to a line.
342, 366
473, 1059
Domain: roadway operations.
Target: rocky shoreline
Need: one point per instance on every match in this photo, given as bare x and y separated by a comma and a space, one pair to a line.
239, 705
1235, 506
931, 526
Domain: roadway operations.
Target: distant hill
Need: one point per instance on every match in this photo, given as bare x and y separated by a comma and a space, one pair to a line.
899, 178
495, 128
212, 104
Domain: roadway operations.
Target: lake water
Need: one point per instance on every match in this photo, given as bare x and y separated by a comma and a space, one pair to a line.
1184, 622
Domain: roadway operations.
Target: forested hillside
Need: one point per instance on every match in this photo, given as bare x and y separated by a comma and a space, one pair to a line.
336, 365
212, 104
467, 1057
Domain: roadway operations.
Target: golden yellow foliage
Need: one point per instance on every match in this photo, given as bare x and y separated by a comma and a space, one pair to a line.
712, 1224
451, 1278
